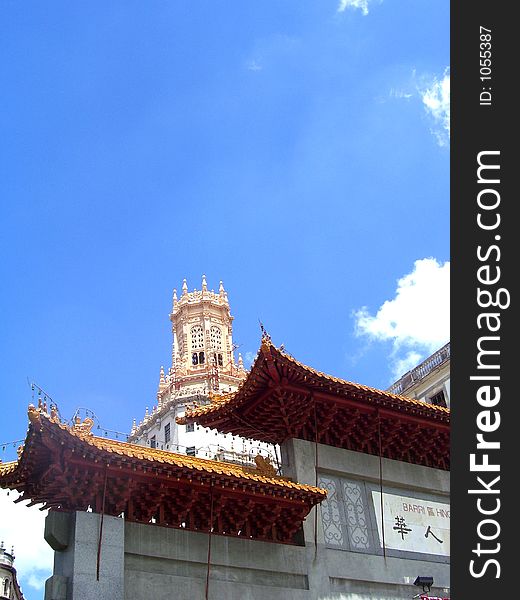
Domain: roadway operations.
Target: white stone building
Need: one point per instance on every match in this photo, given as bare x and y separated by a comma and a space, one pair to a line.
9, 588
428, 381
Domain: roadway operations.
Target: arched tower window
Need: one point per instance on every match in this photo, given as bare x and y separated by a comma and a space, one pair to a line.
216, 344
216, 338
6, 587
197, 343
197, 337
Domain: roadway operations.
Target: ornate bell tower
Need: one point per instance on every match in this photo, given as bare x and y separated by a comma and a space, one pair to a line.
203, 353
203, 363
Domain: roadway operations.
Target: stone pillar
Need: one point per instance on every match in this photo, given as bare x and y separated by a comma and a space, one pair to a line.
75, 539
299, 463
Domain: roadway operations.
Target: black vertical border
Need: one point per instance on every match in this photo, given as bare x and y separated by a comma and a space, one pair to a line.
476, 128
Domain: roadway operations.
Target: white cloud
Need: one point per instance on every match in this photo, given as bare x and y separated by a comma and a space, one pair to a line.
402, 365
417, 320
361, 5
434, 94
436, 100
22, 527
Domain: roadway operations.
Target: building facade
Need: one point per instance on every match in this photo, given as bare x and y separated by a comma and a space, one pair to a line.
9, 587
429, 381
277, 483
360, 511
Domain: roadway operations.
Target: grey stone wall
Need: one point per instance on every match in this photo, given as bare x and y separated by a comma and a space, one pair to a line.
163, 563
366, 573
143, 562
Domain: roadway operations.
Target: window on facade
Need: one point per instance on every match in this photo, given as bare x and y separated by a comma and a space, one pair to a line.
438, 399
216, 338
190, 427
197, 358
190, 450
153, 442
6, 587
167, 433
197, 337
218, 359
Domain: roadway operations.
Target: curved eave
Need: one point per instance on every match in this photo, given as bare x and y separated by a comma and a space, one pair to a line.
44, 432
69, 469
283, 398
267, 371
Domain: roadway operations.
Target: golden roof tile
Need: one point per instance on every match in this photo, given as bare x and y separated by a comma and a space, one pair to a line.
8, 467
141, 453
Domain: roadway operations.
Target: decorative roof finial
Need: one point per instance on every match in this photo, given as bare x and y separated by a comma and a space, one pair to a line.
265, 336
204, 284
184, 287
240, 362
174, 296
134, 427
221, 290
161, 375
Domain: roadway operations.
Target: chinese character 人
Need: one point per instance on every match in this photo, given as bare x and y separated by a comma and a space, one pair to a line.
430, 532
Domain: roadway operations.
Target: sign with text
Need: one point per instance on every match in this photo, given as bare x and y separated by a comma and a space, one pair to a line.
412, 524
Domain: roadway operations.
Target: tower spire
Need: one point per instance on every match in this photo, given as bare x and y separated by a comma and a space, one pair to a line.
202, 352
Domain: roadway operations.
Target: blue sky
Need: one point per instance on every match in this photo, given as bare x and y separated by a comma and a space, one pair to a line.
299, 151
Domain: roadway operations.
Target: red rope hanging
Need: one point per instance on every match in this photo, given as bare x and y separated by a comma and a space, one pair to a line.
101, 526
381, 482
